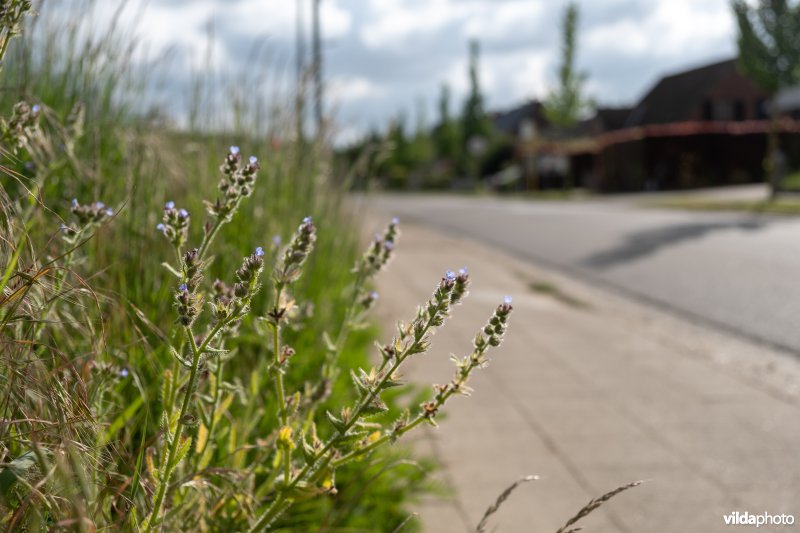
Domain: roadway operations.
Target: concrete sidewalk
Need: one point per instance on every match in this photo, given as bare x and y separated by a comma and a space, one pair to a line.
590, 391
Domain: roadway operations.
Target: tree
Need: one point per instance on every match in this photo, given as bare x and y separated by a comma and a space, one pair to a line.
565, 105
475, 126
446, 132
769, 52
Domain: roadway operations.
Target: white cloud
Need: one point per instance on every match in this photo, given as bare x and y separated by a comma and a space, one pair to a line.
352, 89
680, 26
277, 18
394, 23
527, 76
491, 22
159, 22
386, 54
673, 28
625, 37
186, 25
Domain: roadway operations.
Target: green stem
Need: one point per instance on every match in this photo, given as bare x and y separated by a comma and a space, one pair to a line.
440, 400
168, 467
279, 385
384, 439
210, 237
280, 504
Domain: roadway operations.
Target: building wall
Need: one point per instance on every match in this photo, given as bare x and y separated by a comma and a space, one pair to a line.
733, 97
683, 162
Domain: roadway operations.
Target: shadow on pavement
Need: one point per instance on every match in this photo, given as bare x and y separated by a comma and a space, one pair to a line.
643, 243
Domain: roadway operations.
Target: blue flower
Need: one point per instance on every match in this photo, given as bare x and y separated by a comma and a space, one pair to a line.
276, 240
183, 213
373, 296
507, 300
36, 108
463, 271
253, 160
123, 373
182, 287
64, 227
395, 221
234, 150
99, 204
74, 202
169, 205
109, 212
388, 245
450, 275
160, 227
259, 252
307, 220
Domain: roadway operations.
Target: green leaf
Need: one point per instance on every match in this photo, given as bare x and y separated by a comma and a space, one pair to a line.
329, 344
389, 383
374, 407
309, 453
166, 390
338, 424
121, 420
179, 357
359, 383
303, 491
183, 449
141, 457
15, 470
216, 351
172, 270
351, 437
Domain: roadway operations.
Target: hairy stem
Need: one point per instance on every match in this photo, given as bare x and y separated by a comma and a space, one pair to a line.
281, 502
169, 457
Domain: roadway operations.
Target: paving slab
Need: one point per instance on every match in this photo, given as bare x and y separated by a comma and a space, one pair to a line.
589, 391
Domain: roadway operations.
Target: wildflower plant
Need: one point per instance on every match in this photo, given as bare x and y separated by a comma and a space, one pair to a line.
308, 444
228, 417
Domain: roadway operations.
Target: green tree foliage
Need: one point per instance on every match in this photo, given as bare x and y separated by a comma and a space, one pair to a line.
446, 134
474, 122
769, 52
566, 103
421, 143
769, 42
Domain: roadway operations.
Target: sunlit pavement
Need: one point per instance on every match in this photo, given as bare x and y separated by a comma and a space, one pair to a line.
591, 390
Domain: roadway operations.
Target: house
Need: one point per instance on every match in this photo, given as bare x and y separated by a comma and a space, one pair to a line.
521, 122
542, 151
700, 127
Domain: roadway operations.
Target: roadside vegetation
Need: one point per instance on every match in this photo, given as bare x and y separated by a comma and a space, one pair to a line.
87, 312
184, 327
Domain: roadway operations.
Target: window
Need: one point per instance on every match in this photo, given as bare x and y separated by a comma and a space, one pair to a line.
708, 111
738, 110
762, 111
723, 110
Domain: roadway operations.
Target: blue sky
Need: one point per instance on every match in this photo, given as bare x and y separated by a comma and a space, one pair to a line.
383, 57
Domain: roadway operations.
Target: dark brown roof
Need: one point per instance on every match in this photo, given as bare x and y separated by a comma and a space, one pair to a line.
510, 121
612, 118
674, 97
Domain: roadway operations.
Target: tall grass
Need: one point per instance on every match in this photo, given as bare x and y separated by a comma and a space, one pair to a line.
83, 349
100, 343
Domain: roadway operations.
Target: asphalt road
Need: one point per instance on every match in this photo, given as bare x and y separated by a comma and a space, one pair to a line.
737, 272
